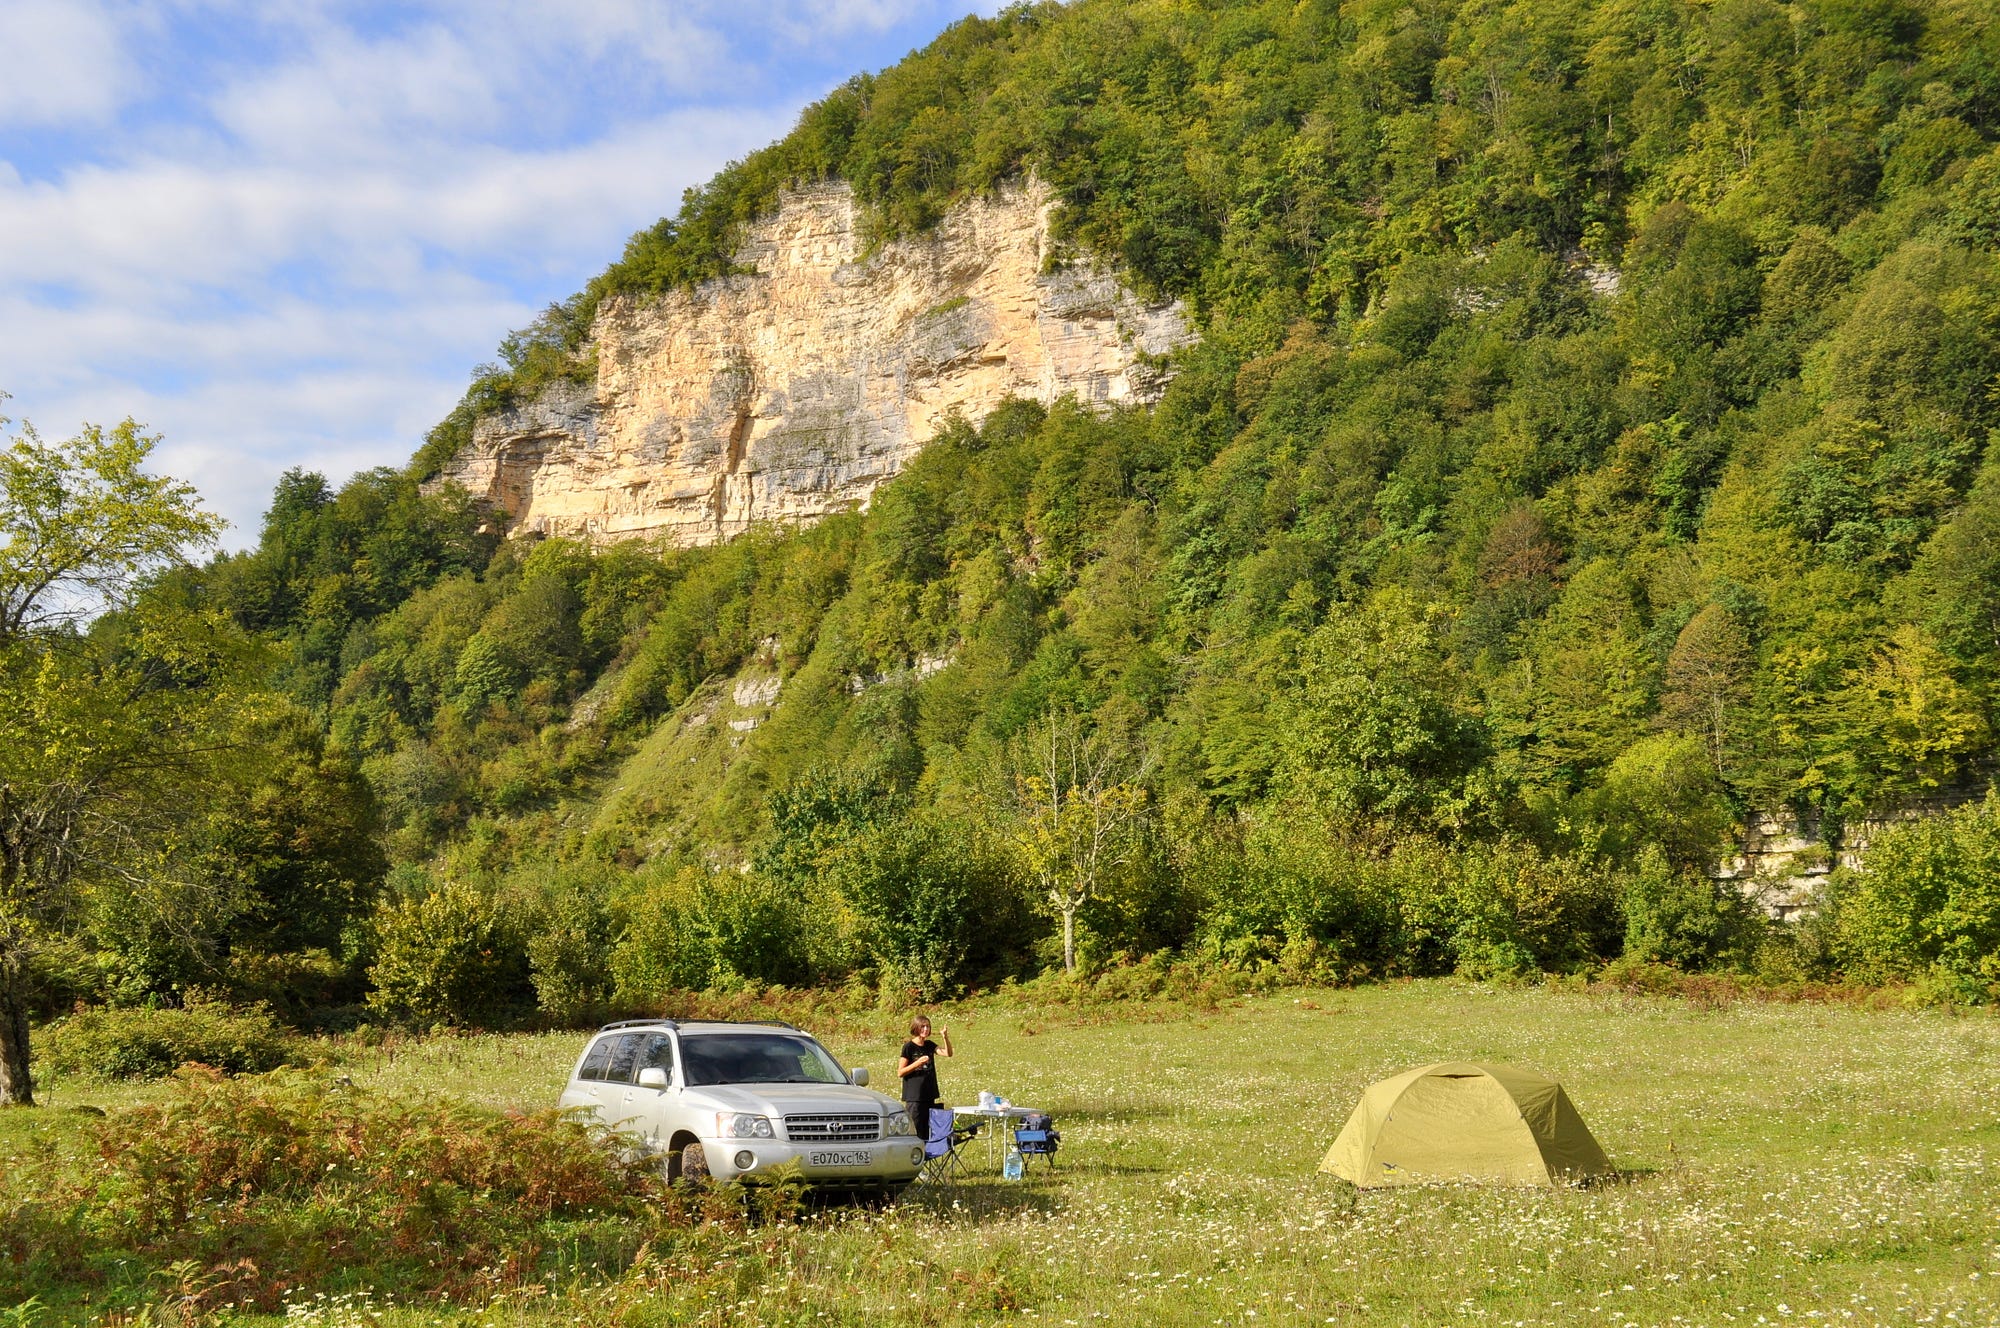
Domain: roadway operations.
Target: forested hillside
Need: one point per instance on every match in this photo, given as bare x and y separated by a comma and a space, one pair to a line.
1588, 446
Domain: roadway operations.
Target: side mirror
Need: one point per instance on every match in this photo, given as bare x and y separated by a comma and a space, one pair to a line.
858, 1076
653, 1077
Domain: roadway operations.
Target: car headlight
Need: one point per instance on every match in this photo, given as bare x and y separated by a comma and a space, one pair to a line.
742, 1125
898, 1123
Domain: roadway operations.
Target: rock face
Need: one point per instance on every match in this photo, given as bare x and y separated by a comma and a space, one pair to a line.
794, 392
1783, 860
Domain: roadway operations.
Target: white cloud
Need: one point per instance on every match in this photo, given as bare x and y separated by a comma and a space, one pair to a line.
678, 40
63, 63
810, 18
295, 255
176, 328
158, 227
365, 101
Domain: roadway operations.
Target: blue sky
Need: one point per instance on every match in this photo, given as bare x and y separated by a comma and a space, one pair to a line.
282, 232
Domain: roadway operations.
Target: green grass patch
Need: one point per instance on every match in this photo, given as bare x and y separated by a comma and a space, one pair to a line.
1803, 1162
943, 307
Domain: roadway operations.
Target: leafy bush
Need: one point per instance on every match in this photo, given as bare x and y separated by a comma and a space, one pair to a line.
929, 901
442, 959
1509, 910
1684, 919
1376, 723
300, 986
1926, 905
1325, 907
147, 1043
1315, 902
1157, 977
663, 948
66, 972
1660, 792
287, 1183
698, 928
569, 929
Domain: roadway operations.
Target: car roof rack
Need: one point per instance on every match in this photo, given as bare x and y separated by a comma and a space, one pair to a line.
676, 1023
763, 1023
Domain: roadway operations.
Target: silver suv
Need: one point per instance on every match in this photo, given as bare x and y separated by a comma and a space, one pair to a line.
741, 1100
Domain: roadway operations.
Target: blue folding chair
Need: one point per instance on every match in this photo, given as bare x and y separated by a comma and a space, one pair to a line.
942, 1161
1037, 1136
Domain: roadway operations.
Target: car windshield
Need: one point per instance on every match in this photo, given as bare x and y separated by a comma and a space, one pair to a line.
757, 1058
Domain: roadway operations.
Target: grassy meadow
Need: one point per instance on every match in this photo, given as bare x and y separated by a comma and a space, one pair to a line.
1785, 1163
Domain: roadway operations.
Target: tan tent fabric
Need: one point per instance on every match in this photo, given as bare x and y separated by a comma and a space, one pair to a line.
1458, 1121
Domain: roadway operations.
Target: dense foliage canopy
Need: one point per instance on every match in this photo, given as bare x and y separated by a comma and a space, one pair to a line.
1588, 448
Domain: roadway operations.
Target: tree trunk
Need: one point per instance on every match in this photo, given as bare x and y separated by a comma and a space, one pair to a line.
17, 1081
1069, 944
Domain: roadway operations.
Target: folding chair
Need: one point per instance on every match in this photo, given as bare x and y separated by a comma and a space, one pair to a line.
942, 1160
1037, 1136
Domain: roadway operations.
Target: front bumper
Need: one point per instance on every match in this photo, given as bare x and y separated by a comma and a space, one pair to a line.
893, 1161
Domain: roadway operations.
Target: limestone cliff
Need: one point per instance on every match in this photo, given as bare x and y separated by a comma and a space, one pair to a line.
793, 392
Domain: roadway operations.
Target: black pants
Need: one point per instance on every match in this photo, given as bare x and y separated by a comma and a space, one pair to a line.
920, 1116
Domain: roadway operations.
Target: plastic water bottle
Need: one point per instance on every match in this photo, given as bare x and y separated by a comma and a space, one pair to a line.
1014, 1167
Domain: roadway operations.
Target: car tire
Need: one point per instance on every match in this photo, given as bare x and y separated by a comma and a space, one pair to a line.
694, 1164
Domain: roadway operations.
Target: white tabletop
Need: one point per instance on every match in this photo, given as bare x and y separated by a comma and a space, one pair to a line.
995, 1112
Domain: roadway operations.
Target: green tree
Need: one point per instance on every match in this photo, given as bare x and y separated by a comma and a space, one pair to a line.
101, 734
487, 672
297, 833
569, 941
1706, 689
1680, 917
1954, 589
1072, 813
924, 897
1583, 691
813, 817
663, 947
1376, 725
1661, 794
1922, 722
695, 928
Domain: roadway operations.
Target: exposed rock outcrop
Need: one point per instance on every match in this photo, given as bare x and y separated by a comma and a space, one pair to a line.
1783, 860
794, 392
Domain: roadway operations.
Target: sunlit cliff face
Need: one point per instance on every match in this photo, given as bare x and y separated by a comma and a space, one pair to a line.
792, 393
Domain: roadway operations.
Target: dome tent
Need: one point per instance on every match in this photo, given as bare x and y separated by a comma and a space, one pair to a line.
1460, 1121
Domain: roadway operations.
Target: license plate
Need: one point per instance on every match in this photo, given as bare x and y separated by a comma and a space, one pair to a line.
832, 1159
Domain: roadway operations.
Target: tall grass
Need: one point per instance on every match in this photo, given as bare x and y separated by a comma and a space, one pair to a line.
1810, 1162
239, 1191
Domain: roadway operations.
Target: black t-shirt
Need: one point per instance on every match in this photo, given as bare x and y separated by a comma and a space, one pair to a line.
920, 1085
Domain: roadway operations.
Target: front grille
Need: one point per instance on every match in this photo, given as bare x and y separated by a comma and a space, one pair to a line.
857, 1129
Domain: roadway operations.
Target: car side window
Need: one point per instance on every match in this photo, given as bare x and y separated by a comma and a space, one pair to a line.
656, 1054
624, 1058
599, 1058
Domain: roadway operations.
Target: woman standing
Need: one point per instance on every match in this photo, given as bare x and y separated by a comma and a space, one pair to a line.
917, 1068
